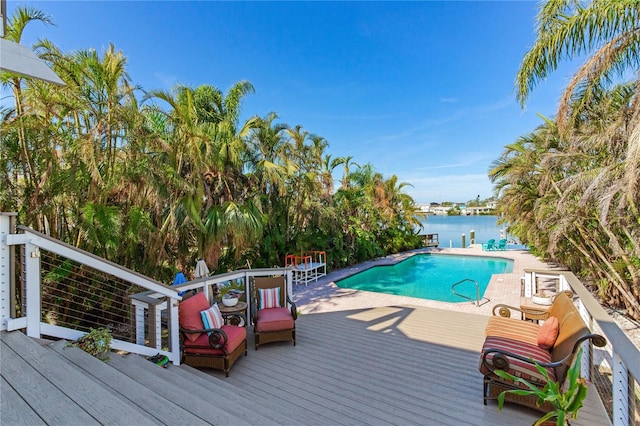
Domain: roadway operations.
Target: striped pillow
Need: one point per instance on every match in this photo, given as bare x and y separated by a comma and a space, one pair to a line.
269, 298
212, 317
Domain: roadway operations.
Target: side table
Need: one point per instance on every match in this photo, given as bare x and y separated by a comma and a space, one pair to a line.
230, 313
533, 311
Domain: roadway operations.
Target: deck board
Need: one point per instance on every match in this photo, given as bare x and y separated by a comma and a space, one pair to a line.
38, 392
14, 409
388, 365
130, 391
375, 366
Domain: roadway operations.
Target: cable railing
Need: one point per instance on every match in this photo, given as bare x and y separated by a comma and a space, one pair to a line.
613, 369
64, 292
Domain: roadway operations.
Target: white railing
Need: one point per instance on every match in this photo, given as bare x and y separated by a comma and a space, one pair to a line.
154, 307
622, 357
31, 315
150, 307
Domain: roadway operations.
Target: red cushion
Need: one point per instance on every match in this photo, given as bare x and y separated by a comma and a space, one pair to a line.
235, 336
274, 319
548, 333
189, 314
518, 368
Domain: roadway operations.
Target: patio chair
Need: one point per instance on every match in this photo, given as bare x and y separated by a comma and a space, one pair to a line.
272, 320
489, 245
205, 341
502, 245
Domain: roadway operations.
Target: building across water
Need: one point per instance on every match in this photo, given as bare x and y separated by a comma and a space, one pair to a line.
440, 209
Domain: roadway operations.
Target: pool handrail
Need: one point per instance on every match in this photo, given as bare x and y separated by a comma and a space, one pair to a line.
477, 300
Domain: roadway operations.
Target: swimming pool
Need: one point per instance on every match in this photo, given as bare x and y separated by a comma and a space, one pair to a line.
430, 276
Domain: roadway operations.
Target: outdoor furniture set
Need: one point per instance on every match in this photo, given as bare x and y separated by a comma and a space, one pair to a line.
515, 345
209, 339
307, 267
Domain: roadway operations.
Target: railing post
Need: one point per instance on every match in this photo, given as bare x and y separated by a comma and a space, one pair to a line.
247, 296
620, 392
174, 327
7, 276
528, 285
32, 276
138, 319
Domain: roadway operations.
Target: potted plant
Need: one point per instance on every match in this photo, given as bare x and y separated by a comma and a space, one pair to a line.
542, 298
96, 342
566, 403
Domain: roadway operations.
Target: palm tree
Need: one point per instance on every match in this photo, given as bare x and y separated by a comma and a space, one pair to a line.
593, 180
207, 150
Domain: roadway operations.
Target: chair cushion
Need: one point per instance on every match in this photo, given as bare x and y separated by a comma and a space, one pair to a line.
513, 328
269, 298
235, 336
212, 317
548, 333
518, 368
189, 314
274, 319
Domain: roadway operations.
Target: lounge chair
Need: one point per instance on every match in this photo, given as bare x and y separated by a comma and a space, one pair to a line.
272, 320
502, 245
489, 245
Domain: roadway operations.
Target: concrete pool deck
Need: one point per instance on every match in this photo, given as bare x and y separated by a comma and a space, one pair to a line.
324, 296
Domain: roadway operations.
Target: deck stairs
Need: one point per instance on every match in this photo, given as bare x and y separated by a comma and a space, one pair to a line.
128, 389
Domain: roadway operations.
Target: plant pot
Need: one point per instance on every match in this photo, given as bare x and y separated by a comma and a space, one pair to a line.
229, 301
541, 300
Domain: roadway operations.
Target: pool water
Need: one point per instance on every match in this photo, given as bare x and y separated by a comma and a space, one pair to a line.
430, 276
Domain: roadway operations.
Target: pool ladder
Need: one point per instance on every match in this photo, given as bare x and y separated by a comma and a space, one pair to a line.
477, 299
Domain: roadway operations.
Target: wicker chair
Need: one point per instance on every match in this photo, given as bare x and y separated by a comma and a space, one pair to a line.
272, 320
216, 348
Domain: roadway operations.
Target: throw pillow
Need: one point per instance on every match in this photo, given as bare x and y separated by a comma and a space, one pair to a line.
548, 333
189, 314
212, 317
269, 298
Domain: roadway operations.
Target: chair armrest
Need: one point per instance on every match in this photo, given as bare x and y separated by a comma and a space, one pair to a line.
217, 336
500, 360
236, 318
294, 310
503, 310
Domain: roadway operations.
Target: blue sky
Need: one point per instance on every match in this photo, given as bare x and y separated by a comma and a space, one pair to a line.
422, 90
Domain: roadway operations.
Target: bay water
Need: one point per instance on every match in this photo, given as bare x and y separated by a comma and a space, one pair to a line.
451, 228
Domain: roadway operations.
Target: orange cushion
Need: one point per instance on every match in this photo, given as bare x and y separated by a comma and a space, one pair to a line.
548, 333
274, 319
235, 336
189, 314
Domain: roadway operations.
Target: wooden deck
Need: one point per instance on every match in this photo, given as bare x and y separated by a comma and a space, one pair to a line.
385, 365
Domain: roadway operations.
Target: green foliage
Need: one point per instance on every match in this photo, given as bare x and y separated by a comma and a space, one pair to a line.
96, 342
155, 184
567, 403
569, 189
454, 211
